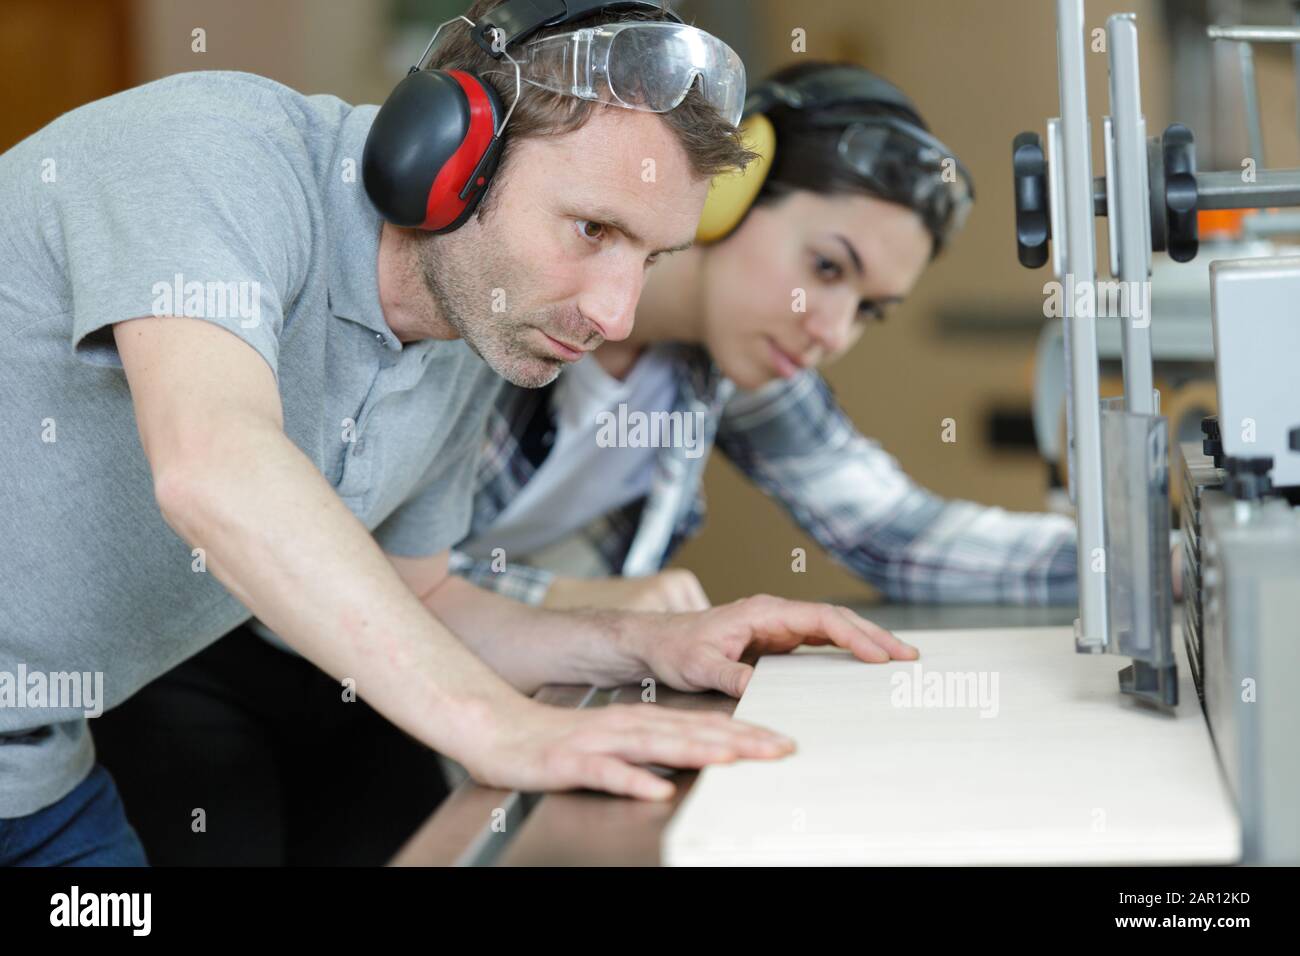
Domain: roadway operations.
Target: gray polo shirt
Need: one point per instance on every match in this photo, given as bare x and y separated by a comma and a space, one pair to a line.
236, 201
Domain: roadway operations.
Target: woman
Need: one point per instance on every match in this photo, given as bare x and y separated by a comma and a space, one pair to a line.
851, 201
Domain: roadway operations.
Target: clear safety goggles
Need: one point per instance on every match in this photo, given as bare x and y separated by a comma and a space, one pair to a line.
906, 165
640, 66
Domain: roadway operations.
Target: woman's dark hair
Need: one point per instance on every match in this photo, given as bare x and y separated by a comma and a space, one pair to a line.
814, 163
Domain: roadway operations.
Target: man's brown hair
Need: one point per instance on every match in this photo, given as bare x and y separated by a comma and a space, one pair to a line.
712, 145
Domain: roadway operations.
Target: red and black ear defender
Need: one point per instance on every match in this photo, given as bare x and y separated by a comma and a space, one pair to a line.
432, 149
435, 143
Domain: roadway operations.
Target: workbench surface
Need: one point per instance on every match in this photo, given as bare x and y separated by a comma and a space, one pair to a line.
484, 826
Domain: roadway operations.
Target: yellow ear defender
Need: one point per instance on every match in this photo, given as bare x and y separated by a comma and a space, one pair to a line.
732, 193
829, 86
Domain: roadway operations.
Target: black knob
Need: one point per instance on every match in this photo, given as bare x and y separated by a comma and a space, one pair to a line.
1248, 478
1033, 222
1293, 438
1212, 445
1179, 151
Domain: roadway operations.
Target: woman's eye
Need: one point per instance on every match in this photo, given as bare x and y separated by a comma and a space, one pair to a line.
591, 231
828, 269
869, 309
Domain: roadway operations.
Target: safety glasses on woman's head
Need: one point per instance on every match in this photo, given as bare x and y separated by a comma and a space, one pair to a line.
907, 165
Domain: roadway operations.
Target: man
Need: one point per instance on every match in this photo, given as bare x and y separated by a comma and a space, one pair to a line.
303, 451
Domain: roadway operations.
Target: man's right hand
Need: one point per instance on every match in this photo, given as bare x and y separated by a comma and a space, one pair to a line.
534, 747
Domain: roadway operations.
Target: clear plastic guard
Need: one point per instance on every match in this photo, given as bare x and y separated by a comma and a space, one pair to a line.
1139, 596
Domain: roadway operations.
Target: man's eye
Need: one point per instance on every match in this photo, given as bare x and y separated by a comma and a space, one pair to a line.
827, 269
591, 231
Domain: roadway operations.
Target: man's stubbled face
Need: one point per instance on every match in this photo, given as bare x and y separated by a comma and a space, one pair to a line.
556, 265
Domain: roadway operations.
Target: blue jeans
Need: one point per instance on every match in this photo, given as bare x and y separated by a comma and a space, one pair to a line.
88, 827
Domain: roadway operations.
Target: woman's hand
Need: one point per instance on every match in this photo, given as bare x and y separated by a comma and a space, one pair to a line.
673, 590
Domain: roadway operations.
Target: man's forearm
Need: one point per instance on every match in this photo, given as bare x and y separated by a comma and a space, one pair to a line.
529, 646
282, 542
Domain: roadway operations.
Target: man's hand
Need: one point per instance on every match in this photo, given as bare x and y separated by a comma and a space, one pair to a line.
674, 590
703, 651
534, 747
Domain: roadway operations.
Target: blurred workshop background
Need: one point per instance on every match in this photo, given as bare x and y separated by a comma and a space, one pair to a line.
962, 347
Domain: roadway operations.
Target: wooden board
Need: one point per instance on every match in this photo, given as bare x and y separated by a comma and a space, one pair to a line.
1004, 747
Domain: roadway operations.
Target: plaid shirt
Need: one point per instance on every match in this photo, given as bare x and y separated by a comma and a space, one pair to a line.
792, 440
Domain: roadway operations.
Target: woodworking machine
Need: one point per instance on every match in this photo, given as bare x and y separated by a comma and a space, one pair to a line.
1240, 527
